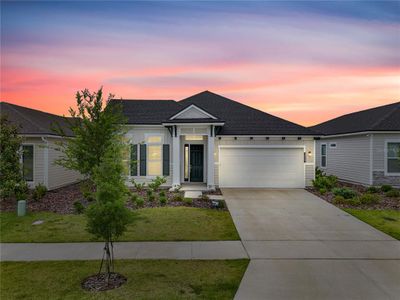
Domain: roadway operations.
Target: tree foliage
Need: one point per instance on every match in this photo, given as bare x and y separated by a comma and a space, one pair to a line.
11, 179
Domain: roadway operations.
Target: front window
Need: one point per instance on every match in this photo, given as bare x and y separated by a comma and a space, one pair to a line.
27, 162
154, 155
323, 155
393, 157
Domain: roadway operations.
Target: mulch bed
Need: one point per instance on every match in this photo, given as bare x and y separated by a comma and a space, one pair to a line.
61, 201
98, 283
216, 192
385, 203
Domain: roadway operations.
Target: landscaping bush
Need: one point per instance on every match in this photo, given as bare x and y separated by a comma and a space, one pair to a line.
386, 188
150, 196
346, 193
325, 182
178, 197
204, 197
393, 193
322, 191
156, 183
163, 200
39, 192
21, 190
341, 200
78, 207
162, 194
139, 202
87, 191
188, 201
138, 186
372, 190
369, 199
134, 197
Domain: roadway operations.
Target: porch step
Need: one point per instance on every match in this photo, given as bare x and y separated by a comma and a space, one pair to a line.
216, 197
193, 187
193, 194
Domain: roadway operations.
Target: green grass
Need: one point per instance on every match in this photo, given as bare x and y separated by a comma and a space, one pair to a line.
147, 279
387, 221
149, 224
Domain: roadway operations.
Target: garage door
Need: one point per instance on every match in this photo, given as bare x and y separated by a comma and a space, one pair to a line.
261, 167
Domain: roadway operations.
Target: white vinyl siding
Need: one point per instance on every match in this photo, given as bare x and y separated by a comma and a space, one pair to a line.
349, 160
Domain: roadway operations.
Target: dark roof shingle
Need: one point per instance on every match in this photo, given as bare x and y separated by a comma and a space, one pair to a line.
381, 118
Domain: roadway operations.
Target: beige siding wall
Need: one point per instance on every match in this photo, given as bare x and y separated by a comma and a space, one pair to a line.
38, 161
276, 141
59, 176
137, 135
350, 160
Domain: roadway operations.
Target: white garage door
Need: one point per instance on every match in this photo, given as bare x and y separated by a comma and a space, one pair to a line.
261, 167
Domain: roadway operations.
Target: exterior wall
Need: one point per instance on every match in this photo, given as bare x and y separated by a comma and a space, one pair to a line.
350, 160
57, 175
38, 160
136, 134
308, 142
378, 162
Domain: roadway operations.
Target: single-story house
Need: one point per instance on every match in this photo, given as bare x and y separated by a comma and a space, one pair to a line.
218, 142
39, 146
362, 147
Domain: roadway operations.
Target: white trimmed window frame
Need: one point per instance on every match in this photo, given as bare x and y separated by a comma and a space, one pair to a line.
386, 157
33, 162
326, 155
148, 160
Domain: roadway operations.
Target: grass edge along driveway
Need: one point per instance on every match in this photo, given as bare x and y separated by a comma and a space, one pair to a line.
149, 224
147, 279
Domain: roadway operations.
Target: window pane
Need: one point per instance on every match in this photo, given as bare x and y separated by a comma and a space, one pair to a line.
323, 161
27, 162
323, 149
154, 152
154, 168
393, 150
154, 139
394, 165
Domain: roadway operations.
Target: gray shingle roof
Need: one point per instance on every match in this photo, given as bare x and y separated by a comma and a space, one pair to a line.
31, 121
381, 118
239, 119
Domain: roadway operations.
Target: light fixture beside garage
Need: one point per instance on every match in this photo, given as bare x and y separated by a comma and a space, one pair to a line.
299, 138
283, 138
267, 138
251, 137
309, 153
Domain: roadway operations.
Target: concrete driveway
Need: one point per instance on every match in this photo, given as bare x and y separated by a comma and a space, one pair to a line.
302, 247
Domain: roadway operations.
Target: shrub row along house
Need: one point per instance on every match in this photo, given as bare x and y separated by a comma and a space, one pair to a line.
217, 142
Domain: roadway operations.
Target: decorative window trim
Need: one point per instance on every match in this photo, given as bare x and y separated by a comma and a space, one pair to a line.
386, 158
148, 160
326, 155
333, 145
33, 164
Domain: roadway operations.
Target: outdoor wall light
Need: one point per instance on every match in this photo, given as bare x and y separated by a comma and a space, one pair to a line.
309, 153
251, 137
283, 138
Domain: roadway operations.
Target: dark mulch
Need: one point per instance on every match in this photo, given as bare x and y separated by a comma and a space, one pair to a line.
216, 192
98, 282
385, 203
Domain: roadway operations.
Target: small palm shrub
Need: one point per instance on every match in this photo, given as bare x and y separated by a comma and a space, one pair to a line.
78, 207
386, 188
178, 197
163, 200
393, 193
188, 201
372, 190
162, 194
346, 193
139, 202
369, 199
156, 183
138, 186
39, 192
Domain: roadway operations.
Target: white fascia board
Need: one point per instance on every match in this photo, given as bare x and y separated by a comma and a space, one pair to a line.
190, 107
191, 124
358, 133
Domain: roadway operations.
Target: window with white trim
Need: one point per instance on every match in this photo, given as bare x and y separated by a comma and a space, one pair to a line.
154, 155
27, 162
393, 157
323, 155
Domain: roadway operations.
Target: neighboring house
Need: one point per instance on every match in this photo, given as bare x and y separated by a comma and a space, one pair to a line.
213, 140
39, 153
362, 147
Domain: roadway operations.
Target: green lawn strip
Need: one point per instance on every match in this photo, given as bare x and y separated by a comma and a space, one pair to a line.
147, 279
387, 221
149, 224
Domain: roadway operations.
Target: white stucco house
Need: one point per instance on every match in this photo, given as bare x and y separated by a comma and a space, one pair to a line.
217, 142
39, 146
362, 147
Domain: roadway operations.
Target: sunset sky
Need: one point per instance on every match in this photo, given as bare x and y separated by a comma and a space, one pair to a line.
304, 61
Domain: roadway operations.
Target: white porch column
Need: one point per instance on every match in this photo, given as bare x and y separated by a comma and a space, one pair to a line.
210, 158
176, 169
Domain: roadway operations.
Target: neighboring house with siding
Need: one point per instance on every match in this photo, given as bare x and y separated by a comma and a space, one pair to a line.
214, 141
362, 147
39, 146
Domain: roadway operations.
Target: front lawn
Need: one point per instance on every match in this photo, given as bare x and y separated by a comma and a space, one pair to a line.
387, 221
149, 224
147, 279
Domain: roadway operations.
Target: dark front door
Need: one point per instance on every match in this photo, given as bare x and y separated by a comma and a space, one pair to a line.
196, 163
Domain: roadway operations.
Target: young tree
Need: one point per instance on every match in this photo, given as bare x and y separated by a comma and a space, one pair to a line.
94, 124
108, 217
11, 179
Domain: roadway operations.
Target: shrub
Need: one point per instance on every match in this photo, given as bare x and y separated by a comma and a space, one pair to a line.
149, 193
221, 204
322, 191
162, 194
151, 197
372, 190
39, 192
346, 193
178, 197
339, 200
326, 182
134, 197
139, 202
87, 191
188, 201
393, 193
157, 182
78, 207
319, 172
369, 199
138, 186
386, 188
163, 200
204, 197
21, 190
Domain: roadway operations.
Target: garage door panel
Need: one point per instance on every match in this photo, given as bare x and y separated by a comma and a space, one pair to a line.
262, 167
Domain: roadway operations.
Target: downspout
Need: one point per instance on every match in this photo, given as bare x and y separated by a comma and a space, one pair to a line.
46, 162
371, 159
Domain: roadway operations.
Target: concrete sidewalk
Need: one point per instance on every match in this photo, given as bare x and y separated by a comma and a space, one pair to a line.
123, 250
